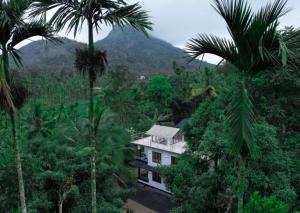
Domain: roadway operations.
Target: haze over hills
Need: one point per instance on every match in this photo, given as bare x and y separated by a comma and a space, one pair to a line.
129, 47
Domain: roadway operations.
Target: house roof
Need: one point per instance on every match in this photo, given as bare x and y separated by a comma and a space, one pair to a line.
163, 131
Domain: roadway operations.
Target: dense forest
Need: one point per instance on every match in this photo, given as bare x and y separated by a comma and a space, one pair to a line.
65, 135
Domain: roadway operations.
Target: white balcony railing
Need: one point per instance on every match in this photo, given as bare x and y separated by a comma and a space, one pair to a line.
178, 148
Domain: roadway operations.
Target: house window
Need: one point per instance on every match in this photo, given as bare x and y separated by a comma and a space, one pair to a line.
156, 157
173, 160
156, 177
143, 174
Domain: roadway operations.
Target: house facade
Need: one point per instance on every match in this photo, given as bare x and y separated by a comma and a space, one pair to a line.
159, 146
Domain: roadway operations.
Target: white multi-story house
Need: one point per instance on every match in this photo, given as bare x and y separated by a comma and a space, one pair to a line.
161, 145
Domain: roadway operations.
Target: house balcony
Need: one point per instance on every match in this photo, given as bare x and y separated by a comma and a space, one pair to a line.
142, 162
161, 144
142, 159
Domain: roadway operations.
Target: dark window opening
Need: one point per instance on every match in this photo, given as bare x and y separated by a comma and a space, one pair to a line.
173, 160
143, 174
156, 157
156, 177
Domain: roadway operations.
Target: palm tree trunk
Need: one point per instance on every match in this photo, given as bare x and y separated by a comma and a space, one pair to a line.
18, 162
91, 129
6, 63
241, 183
14, 135
61, 207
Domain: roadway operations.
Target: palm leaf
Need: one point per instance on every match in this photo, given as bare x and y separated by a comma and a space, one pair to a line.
241, 120
132, 15
28, 30
12, 11
203, 44
99, 114
16, 57
73, 13
237, 15
266, 16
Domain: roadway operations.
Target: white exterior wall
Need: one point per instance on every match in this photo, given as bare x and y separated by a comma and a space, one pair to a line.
165, 160
157, 185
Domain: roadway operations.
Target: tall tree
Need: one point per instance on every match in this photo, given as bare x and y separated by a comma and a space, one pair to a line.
73, 14
159, 92
256, 45
13, 30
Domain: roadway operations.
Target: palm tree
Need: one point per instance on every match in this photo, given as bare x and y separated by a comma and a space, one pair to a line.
95, 13
13, 30
255, 46
112, 141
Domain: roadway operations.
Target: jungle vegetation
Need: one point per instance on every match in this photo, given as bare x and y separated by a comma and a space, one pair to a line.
65, 136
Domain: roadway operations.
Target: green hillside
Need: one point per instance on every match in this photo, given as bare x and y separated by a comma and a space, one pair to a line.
140, 54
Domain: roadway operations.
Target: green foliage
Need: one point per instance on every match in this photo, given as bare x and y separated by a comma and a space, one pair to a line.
272, 172
259, 204
250, 56
57, 162
159, 91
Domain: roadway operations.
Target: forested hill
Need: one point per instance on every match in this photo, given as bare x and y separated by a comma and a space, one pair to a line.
140, 54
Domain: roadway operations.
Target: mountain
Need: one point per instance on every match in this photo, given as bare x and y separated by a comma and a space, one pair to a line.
128, 47
46, 54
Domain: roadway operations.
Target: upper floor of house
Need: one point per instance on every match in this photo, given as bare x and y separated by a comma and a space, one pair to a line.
163, 138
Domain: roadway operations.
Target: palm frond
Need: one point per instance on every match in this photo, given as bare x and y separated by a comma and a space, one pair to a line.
241, 120
99, 113
266, 17
66, 11
91, 64
236, 13
290, 46
28, 30
132, 15
213, 45
262, 31
71, 14
12, 11
278, 49
16, 57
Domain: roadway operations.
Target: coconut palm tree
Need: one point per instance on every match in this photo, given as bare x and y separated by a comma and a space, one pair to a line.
13, 30
256, 45
73, 14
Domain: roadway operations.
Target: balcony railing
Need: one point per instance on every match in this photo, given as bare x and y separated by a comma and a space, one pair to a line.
142, 159
160, 141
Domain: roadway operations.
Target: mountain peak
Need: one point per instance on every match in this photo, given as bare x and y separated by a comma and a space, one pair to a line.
127, 46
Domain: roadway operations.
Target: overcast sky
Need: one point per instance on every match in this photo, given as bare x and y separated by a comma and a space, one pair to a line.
176, 21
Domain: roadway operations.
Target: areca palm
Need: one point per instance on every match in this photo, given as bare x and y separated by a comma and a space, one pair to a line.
256, 45
112, 141
13, 30
73, 14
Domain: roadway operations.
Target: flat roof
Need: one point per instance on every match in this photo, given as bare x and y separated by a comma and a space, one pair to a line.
163, 131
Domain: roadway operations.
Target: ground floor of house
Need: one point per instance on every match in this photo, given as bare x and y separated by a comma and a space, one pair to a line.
148, 200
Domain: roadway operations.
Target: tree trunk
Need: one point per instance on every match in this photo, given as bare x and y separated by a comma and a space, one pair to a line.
91, 129
6, 63
18, 162
241, 183
61, 207
93, 154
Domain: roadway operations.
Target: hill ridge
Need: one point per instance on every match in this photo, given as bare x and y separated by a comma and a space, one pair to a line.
145, 56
